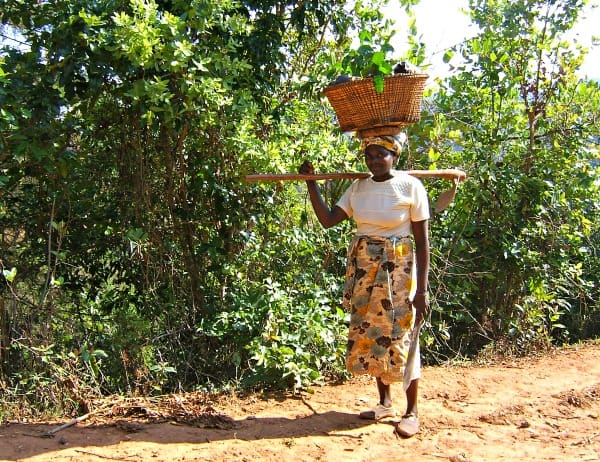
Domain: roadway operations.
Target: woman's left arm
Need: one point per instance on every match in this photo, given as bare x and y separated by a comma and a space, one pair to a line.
421, 235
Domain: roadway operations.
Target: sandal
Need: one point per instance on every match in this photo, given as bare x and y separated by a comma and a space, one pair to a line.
408, 425
378, 412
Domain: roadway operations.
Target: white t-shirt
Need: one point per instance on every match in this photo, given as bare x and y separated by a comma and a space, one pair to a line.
386, 208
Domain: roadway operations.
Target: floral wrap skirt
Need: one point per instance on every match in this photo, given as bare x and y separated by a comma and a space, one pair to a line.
380, 283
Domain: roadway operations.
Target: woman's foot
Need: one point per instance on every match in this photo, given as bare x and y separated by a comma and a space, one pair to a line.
408, 425
378, 412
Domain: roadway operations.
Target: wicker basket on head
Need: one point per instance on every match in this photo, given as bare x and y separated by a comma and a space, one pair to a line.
360, 108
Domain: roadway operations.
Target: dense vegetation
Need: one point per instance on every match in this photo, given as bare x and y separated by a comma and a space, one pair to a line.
136, 259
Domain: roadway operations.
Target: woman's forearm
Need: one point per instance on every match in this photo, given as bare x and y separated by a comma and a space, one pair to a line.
326, 216
421, 298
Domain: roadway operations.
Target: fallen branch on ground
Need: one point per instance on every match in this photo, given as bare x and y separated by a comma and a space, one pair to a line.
70, 423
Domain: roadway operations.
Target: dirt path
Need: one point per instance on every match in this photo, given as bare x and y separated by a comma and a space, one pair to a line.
547, 409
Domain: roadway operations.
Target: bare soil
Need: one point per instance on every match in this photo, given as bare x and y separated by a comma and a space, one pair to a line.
545, 408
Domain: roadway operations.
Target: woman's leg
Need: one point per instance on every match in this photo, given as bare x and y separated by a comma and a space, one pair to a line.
412, 395
385, 393
384, 408
409, 424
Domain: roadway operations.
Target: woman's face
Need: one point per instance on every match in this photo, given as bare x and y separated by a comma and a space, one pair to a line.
379, 160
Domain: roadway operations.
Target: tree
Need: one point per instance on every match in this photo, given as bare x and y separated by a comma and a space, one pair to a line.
126, 129
516, 117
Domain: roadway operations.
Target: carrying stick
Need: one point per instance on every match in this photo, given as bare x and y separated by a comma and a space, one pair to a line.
449, 174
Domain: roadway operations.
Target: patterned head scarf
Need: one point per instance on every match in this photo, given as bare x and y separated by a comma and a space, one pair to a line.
391, 143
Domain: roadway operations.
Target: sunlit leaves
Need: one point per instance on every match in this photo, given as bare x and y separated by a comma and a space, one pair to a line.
528, 130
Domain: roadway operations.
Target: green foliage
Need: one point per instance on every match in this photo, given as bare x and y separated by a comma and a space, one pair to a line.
512, 249
288, 339
48, 381
125, 230
374, 55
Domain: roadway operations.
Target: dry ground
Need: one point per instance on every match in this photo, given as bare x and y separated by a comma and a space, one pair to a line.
541, 409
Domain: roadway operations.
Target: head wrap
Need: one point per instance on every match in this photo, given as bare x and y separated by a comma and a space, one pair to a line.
391, 143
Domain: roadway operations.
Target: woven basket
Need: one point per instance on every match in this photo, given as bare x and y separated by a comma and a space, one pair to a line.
359, 107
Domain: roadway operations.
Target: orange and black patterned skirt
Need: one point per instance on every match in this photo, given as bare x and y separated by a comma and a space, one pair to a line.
380, 281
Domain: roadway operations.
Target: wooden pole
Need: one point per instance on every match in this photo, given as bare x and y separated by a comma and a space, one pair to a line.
449, 174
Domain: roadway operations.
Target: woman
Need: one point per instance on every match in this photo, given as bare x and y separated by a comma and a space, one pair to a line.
386, 278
